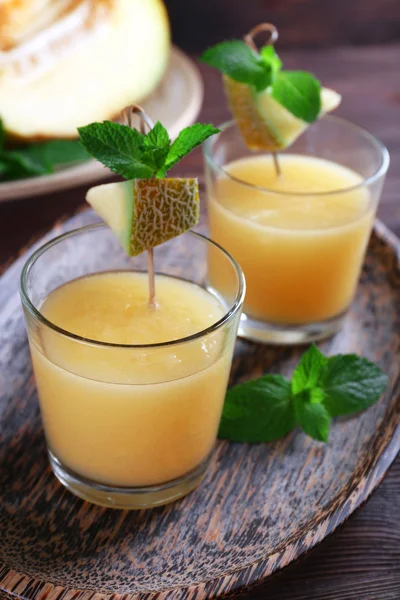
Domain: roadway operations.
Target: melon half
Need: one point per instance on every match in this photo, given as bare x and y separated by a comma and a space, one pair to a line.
89, 60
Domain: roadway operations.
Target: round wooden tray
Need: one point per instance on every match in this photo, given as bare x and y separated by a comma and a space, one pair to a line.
259, 508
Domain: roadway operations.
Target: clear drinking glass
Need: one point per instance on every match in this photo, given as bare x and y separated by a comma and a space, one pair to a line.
129, 426
301, 253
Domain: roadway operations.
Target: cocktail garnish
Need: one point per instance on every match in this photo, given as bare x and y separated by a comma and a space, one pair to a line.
148, 209
271, 106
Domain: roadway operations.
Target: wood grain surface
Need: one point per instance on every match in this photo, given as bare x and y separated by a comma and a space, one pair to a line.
260, 506
361, 561
306, 23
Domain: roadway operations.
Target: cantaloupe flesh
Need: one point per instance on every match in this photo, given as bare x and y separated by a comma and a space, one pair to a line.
116, 64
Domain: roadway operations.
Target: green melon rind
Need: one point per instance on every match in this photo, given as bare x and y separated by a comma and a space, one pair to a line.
162, 210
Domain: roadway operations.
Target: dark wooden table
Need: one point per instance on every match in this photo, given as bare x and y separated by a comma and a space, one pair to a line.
361, 561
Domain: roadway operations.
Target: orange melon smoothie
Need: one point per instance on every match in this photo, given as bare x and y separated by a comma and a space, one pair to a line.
130, 395
127, 417
131, 351
301, 254
300, 235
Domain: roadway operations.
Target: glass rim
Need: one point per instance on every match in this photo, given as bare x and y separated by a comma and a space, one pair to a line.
36, 314
380, 171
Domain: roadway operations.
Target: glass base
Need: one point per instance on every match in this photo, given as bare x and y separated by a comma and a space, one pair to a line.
268, 333
125, 497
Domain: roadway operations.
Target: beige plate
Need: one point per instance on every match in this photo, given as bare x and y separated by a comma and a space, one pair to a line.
176, 103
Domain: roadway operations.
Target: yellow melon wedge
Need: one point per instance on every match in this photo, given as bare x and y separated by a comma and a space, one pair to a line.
265, 124
144, 213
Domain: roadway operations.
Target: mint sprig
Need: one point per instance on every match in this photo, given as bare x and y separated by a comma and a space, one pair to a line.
134, 155
298, 91
39, 158
321, 388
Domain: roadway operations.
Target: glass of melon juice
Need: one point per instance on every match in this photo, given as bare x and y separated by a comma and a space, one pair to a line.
130, 397
300, 237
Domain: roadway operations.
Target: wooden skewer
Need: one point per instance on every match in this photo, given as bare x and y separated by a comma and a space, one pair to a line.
249, 39
127, 117
276, 164
152, 284
261, 28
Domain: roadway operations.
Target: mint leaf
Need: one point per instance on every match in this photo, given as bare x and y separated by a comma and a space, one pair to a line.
187, 140
235, 59
309, 371
156, 146
271, 60
3, 168
316, 395
351, 383
158, 137
15, 166
299, 92
39, 158
25, 162
313, 417
2, 135
258, 411
268, 408
118, 147
57, 152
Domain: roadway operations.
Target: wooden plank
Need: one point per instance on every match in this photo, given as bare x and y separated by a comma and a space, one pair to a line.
309, 23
